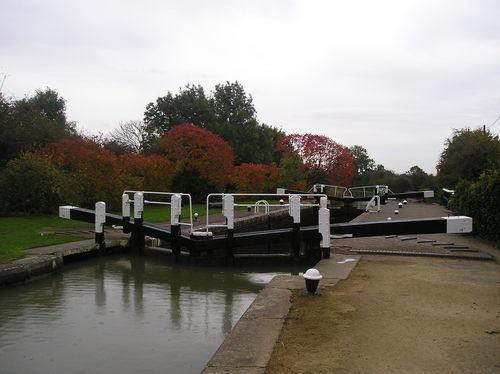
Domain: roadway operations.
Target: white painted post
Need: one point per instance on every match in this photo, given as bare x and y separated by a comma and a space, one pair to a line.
175, 209
100, 216
228, 210
324, 227
294, 208
125, 205
138, 204
100, 220
175, 227
294, 211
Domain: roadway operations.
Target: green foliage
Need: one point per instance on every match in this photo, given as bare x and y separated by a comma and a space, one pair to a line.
30, 184
481, 201
362, 161
31, 123
467, 154
228, 112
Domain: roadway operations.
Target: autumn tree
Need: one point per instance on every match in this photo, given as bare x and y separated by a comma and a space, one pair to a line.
228, 111
149, 173
255, 177
324, 160
91, 173
201, 160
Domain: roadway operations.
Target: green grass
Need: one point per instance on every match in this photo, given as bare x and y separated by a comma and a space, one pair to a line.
22, 232
161, 213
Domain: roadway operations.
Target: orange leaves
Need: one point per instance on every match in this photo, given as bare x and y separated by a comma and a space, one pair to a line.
193, 149
151, 173
255, 177
324, 159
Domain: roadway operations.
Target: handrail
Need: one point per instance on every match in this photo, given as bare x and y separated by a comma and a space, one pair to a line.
170, 194
286, 195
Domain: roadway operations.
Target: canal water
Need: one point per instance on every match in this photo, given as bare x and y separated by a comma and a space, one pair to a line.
124, 314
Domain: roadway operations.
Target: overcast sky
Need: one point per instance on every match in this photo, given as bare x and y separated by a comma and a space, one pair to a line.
393, 76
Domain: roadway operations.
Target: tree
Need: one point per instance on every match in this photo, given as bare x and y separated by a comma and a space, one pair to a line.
149, 173
31, 123
324, 160
189, 105
129, 136
466, 155
231, 104
480, 200
91, 173
30, 184
255, 177
228, 112
201, 160
420, 179
362, 161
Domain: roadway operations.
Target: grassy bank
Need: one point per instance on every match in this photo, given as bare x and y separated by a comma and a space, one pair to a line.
19, 233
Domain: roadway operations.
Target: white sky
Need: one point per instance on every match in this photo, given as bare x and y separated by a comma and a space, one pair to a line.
393, 76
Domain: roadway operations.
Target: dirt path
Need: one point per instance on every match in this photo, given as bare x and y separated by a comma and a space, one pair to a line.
397, 315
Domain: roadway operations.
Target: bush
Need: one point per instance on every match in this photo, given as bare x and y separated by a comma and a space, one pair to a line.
91, 173
481, 201
255, 177
30, 184
149, 173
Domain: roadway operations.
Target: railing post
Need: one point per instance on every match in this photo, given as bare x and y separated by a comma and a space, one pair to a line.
175, 227
228, 212
324, 227
125, 213
294, 210
100, 220
137, 237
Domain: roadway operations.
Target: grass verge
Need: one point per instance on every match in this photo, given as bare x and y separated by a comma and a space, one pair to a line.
22, 232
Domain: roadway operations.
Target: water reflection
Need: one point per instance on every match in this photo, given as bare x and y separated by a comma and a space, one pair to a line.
123, 314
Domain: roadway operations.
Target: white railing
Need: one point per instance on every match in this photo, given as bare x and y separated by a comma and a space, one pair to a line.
175, 204
321, 188
228, 205
368, 191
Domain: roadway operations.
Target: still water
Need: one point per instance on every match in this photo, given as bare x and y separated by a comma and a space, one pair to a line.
124, 314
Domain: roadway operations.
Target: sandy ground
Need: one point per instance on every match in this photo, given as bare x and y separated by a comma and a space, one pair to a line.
397, 315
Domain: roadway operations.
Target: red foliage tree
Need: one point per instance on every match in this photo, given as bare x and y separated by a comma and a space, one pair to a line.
150, 173
255, 177
324, 160
92, 173
201, 159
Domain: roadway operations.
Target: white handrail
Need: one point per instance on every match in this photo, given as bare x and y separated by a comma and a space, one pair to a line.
286, 195
162, 193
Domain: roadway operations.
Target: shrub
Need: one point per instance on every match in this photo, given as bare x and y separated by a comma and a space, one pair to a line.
481, 201
255, 177
91, 173
149, 173
30, 184
201, 160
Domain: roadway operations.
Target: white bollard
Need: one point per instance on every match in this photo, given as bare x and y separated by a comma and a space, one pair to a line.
324, 227
294, 208
228, 210
138, 204
175, 209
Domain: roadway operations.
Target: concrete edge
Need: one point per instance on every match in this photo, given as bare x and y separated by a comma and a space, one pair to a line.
47, 260
250, 344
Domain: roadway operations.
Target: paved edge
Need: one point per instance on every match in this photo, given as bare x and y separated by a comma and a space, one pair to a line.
45, 260
249, 346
